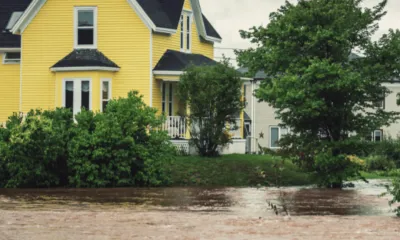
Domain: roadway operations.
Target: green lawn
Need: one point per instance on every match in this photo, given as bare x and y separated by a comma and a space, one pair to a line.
235, 170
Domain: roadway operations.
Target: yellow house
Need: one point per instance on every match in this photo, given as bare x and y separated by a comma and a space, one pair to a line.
82, 53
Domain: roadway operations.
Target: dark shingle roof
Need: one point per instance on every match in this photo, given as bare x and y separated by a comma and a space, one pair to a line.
166, 14
7, 7
178, 61
85, 58
163, 13
210, 30
259, 74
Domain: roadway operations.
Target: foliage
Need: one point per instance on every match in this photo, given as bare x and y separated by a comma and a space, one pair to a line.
34, 154
332, 170
394, 190
379, 162
213, 94
121, 147
319, 88
236, 171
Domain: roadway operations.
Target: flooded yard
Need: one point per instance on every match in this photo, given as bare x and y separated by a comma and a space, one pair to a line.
198, 213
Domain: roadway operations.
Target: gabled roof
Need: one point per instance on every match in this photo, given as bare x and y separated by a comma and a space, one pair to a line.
174, 61
90, 59
7, 8
164, 14
259, 75
159, 15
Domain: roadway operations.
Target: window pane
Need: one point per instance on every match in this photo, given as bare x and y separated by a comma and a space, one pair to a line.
188, 33
85, 95
182, 36
378, 136
69, 95
163, 97
85, 18
170, 100
85, 36
106, 90
105, 103
274, 137
13, 55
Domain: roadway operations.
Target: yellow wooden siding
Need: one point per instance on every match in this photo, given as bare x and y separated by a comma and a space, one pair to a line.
9, 89
162, 42
122, 37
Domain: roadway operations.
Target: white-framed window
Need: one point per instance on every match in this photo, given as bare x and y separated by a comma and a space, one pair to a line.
275, 134
12, 58
377, 136
164, 97
105, 93
167, 99
185, 26
77, 94
85, 27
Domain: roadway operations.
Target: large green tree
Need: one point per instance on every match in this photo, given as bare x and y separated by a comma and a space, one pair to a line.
316, 83
214, 96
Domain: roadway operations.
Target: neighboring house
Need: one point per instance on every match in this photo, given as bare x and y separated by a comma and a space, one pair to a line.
82, 53
262, 127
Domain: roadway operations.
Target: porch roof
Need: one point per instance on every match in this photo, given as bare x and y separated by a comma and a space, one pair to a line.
87, 59
174, 62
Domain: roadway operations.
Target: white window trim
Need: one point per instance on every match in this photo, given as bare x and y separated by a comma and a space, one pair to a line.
170, 99
77, 80
279, 135
373, 135
94, 46
186, 13
101, 91
10, 62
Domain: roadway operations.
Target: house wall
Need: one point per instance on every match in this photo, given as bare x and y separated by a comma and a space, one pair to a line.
122, 37
9, 90
265, 116
391, 105
163, 42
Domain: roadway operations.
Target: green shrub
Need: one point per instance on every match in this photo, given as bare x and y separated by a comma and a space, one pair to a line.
394, 190
332, 170
34, 151
121, 147
379, 162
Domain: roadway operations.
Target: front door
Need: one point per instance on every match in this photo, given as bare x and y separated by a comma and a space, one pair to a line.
77, 95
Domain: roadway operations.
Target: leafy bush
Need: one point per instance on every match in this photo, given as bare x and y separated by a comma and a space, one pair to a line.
394, 190
378, 162
121, 147
332, 170
212, 108
34, 151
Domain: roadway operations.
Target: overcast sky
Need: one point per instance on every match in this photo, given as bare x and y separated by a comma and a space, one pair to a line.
229, 16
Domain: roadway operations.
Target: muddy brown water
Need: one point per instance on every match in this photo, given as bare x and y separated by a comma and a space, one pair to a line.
198, 213
363, 199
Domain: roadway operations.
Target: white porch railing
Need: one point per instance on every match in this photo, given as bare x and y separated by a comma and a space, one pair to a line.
175, 127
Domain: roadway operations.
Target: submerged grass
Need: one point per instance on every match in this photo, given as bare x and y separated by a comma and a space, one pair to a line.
236, 171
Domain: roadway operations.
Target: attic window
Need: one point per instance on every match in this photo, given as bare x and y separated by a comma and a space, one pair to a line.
12, 58
185, 26
13, 19
85, 27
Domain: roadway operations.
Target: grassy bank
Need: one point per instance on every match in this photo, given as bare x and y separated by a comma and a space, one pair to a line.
235, 170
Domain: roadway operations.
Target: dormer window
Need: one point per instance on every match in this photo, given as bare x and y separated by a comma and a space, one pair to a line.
12, 58
185, 26
85, 27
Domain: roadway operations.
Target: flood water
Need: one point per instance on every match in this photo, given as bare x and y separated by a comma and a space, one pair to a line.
362, 200
165, 213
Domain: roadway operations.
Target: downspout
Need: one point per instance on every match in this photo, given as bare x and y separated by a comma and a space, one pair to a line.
151, 67
253, 113
20, 79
